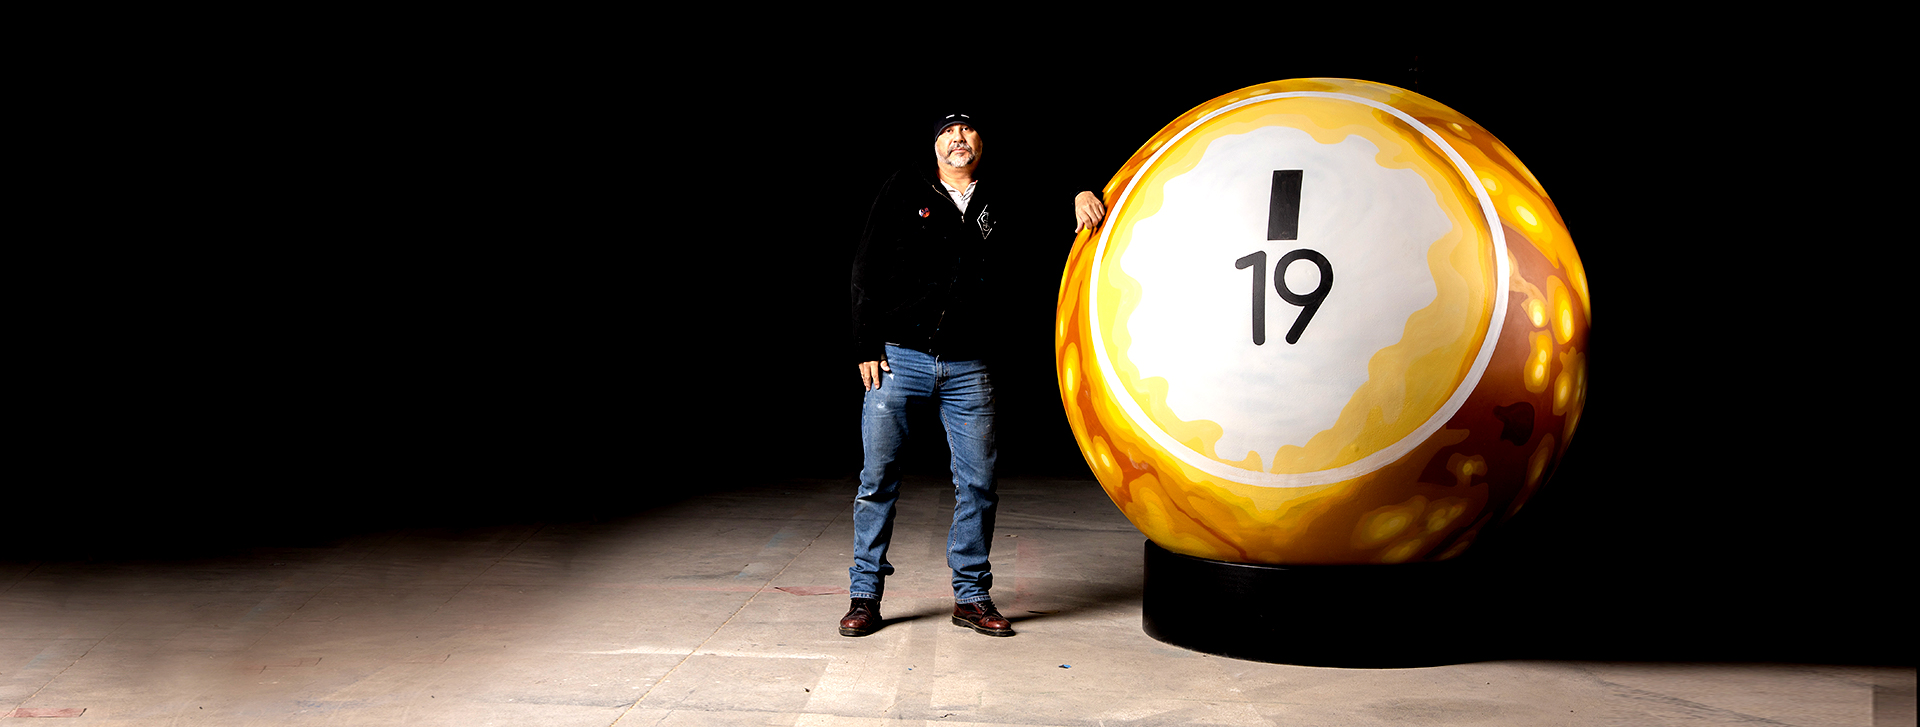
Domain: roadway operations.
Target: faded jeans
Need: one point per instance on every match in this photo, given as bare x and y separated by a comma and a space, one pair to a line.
963, 392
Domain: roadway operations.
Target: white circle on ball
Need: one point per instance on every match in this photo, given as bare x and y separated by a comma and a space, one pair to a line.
1193, 320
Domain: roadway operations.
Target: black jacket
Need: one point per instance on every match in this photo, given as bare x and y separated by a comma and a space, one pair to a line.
923, 277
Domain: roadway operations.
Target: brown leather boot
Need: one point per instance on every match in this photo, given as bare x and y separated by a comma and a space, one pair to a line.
862, 618
982, 617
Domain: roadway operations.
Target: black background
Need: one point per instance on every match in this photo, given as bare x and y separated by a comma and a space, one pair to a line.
489, 281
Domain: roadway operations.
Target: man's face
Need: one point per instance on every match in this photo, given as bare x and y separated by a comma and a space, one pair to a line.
957, 146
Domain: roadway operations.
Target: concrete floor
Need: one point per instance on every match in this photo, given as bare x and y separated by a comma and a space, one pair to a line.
720, 610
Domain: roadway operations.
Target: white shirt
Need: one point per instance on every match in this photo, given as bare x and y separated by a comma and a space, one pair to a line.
960, 198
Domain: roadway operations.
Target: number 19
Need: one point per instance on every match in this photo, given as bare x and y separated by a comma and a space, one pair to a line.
1309, 302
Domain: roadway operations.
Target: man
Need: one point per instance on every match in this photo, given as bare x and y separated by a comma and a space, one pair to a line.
923, 287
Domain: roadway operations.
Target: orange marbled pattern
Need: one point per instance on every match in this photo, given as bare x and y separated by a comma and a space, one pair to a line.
1476, 471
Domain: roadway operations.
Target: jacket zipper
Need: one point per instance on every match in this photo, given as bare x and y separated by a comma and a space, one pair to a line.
955, 279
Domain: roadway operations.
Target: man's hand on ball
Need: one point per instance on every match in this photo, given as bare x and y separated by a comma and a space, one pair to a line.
870, 373
1087, 211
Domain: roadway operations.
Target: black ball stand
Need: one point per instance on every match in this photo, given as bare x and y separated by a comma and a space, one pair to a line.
1368, 616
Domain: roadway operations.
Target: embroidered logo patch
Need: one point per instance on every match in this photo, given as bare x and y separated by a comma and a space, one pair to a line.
924, 211
986, 225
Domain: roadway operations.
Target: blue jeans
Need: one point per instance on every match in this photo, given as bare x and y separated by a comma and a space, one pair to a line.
964, 394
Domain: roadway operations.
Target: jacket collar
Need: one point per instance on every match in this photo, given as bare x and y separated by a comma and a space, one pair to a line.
932, 177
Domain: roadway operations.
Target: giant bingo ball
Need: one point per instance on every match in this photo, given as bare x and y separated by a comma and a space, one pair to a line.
1326, 321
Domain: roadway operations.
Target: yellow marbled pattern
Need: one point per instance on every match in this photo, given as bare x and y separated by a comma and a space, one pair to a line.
1432, 502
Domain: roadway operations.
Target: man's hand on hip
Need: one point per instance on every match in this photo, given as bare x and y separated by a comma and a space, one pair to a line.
870, 373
